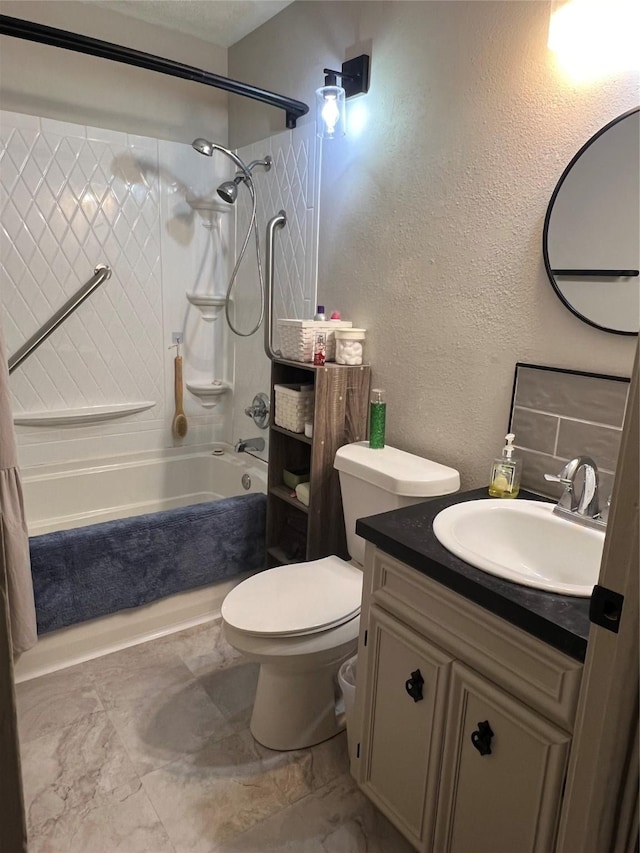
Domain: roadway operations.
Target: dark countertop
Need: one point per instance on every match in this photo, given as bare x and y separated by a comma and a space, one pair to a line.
407, 534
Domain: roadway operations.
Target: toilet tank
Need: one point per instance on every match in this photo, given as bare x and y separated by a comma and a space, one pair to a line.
374, 480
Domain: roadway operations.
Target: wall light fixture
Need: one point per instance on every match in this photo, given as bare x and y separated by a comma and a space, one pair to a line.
595, 38
330, 98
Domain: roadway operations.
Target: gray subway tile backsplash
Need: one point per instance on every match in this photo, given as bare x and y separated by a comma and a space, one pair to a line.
598, 399
603, 442
558, 414
535, 429
534, 467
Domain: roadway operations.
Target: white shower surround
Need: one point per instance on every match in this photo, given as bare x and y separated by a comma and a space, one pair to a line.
74, 196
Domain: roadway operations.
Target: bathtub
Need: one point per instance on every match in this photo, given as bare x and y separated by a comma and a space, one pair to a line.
61, 497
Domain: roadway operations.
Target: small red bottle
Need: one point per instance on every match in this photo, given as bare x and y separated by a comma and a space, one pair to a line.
320, 349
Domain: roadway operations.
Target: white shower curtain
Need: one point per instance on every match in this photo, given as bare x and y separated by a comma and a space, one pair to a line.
14, 539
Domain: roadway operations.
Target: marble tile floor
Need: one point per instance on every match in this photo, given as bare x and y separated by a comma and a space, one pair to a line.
148, 750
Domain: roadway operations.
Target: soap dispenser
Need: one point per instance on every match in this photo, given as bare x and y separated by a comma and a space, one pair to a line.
505, 472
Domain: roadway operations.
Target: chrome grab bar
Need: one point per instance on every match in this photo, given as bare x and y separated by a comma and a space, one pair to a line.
277, 221
101, 273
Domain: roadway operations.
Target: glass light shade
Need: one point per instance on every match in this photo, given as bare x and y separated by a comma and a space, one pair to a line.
594, 38
330, 112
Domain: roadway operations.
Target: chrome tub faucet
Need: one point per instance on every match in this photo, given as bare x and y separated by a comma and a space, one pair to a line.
585, 507
245, 444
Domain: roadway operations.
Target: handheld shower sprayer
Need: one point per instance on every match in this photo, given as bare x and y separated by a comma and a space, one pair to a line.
228, 191
203, 146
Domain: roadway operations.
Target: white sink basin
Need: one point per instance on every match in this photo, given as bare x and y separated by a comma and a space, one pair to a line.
522, 541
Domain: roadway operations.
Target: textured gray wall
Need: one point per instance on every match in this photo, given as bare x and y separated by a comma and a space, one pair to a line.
431, 218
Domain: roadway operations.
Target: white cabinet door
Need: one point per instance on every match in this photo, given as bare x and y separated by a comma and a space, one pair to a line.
502, 772
406, 690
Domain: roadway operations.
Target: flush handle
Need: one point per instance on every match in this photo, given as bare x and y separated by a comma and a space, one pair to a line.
481, 738
413, 686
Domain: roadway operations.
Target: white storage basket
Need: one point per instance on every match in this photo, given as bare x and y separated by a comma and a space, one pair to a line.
298, 336
294, 406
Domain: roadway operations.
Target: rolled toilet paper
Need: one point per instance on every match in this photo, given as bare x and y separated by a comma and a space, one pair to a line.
302, 493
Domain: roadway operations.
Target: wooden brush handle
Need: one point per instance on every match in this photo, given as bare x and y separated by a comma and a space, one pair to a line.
178, 382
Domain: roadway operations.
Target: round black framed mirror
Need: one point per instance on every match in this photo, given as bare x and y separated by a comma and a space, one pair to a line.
591, 235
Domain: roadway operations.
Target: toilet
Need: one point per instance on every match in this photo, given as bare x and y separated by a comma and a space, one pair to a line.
300, 621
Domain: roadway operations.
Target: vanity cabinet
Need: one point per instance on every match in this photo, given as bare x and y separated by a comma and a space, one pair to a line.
506, 799
296, 532
402, 737
462, 721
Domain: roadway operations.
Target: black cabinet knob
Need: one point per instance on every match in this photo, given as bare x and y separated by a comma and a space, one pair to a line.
481, 738
413, 685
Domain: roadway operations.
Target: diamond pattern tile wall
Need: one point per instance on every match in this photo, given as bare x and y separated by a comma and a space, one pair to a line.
291, 185
65, 206
72, 197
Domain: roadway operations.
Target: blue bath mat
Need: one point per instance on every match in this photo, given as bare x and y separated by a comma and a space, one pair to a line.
92, 571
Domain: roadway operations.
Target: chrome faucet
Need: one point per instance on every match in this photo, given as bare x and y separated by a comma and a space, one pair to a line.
249, 444
584, 509
259, 410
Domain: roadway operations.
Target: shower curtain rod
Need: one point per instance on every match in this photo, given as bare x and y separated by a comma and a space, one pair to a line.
19, 28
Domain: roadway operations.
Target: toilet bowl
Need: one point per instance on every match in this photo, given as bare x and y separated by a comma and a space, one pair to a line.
301, 621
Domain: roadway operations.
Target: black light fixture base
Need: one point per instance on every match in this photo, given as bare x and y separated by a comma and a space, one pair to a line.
355, 76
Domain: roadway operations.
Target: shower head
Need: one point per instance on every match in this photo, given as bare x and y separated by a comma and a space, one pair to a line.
203, 146
228, 191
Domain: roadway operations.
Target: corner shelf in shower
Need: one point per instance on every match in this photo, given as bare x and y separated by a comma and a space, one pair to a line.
85, 415
208, 392
209, 306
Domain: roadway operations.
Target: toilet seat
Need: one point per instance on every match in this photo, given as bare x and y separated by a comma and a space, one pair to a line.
295, 600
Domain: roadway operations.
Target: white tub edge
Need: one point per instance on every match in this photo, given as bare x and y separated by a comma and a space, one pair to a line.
87, 640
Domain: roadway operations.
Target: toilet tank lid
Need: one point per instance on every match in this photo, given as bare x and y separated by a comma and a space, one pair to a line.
396, 471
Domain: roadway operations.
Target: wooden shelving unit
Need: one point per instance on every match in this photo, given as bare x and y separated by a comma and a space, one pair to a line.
296, 532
